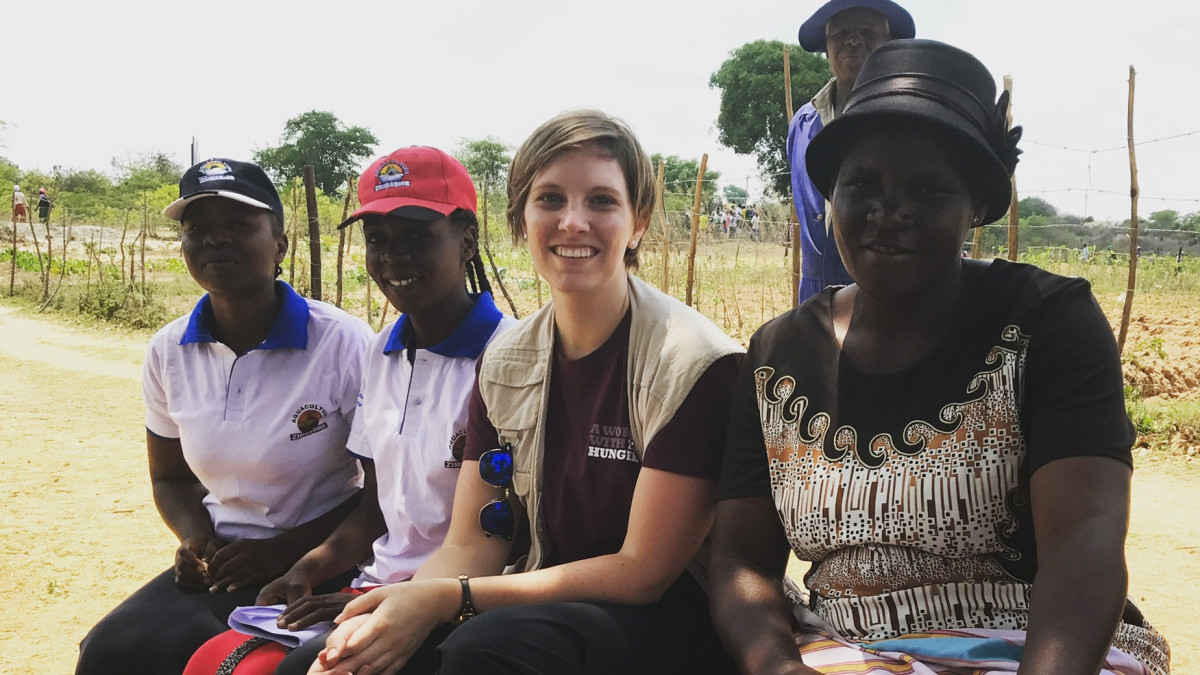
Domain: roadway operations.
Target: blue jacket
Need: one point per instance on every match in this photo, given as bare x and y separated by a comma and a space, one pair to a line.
820, 264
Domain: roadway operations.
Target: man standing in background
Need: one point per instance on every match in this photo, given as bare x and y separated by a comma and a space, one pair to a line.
846, 31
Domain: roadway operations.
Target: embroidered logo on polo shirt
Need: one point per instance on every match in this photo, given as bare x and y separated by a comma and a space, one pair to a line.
458, 443
392, 174
215, 169
612, 442
309, 419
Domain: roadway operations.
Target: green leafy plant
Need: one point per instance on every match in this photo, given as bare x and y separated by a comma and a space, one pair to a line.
1138, 413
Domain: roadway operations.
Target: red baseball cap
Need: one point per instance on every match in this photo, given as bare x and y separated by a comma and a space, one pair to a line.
416, 182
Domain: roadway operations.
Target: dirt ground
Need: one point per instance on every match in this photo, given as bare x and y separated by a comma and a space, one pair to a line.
78, 530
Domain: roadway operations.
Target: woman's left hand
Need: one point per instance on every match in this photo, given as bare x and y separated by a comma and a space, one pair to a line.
381, 629
246, 563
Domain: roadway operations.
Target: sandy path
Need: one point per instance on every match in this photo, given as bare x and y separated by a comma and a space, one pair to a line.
78, 531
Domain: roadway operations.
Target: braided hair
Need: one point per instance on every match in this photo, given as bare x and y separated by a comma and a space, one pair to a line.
475, 273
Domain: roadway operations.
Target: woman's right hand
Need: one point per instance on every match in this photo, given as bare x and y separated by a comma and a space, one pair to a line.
383, 628
191, 562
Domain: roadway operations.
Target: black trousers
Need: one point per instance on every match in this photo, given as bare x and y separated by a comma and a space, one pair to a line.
674, 635
156, 630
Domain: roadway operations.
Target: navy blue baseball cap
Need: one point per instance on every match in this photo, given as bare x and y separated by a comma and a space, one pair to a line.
242, 182
812, 31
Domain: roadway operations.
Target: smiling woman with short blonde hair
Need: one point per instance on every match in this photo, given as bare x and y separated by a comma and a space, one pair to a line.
594, 442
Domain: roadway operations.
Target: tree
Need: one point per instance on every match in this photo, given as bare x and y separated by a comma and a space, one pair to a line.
84, 180
753, 116
1035, 206
1191, 222
1165, 220
679, 179
146, 171
486, 159
735, 194
86, 192
8, 173
319, 139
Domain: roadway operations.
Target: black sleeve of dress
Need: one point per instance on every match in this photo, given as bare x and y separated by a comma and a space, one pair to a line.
1074, 399
744, 471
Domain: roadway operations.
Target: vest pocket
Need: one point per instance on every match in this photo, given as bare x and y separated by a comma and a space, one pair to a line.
509, 383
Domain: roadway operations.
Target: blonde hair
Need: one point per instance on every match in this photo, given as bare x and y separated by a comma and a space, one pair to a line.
572, 130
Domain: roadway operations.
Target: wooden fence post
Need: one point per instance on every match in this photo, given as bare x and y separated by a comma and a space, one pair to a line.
145, 234
50, 261
62, 265
695, 226
667, 230
342, 236
487, 249
793, 219
314, 231
787, 79
295, 234
12, 276
1014, 213
659, 187
1133, 222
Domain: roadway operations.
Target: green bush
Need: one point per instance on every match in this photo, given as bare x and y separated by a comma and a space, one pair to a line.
27, 261
111, 300
1138, 413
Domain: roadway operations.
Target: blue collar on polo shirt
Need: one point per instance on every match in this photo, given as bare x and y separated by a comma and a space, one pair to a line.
467, 340
290, 330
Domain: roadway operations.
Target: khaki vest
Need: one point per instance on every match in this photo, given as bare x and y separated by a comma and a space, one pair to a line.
670, 346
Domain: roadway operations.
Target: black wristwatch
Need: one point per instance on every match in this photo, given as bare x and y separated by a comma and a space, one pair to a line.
467, 610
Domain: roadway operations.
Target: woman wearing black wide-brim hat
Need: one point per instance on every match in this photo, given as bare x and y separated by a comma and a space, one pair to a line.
944, 440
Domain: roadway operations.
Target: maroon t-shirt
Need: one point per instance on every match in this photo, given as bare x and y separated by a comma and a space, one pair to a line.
590, 463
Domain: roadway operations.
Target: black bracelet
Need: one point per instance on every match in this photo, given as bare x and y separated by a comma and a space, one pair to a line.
467, 610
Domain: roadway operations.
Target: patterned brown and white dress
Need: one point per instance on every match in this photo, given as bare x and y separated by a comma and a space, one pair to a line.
909, 491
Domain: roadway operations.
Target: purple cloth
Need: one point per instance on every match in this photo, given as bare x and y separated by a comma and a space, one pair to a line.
820, 264
260, 621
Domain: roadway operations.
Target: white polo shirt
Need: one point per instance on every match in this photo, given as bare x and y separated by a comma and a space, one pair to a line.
411, 422
265, 432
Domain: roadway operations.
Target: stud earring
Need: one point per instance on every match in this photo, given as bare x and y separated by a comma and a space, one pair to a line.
633, 244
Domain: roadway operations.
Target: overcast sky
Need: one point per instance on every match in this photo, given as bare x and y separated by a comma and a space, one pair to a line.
88, 81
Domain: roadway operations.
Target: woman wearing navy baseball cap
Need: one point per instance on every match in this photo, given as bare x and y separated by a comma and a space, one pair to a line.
249, 400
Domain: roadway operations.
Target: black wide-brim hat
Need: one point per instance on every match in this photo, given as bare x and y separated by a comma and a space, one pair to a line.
812, 31
935, 84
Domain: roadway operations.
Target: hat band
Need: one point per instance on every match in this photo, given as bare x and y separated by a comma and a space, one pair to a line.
943, 92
